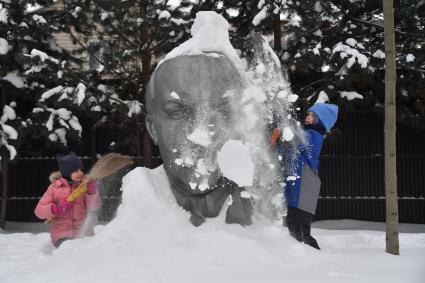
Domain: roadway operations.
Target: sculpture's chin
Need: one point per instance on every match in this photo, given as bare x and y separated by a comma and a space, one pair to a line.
198, 186
201, 192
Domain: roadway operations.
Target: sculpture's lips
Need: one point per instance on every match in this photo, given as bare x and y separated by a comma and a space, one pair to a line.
194, 185
204, 183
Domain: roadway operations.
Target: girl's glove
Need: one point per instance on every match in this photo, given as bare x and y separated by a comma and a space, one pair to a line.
61, 208
91, 187
275, 136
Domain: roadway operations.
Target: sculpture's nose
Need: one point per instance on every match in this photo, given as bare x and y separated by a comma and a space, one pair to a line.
220, 128
212, 123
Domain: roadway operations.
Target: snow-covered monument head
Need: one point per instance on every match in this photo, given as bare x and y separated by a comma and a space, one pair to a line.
190, 118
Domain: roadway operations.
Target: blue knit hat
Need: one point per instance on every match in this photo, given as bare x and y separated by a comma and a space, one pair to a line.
327, 114
68, 164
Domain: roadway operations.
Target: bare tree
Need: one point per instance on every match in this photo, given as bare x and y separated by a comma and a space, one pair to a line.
392, 243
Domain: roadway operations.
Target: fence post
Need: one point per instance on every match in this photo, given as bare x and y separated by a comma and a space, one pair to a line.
3, 203
94, 139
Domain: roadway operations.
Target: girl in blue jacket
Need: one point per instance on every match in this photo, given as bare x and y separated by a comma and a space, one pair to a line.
302, 183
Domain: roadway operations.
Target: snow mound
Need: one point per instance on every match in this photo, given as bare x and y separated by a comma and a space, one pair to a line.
152, 240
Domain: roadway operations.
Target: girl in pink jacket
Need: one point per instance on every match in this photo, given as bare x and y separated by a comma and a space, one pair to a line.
67, 217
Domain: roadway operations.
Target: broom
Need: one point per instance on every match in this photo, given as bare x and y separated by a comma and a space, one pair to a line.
105, 166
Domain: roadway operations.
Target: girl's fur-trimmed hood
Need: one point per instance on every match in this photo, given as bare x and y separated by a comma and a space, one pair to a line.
56, 175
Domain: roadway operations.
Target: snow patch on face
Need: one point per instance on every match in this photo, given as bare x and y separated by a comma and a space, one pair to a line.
188, 161
235, 163
200, 137
201, 186
174, 95
201, 167
184, 162
228, 93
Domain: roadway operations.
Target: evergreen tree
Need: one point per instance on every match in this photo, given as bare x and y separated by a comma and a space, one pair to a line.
44, 91
334, 51
25, 37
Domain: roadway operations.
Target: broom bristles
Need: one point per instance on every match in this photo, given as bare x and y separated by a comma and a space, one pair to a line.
109, 164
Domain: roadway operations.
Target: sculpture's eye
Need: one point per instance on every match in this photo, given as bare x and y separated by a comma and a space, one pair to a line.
177, 115
175, 110
223, 107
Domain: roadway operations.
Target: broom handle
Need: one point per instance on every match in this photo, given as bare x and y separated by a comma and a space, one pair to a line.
78, 192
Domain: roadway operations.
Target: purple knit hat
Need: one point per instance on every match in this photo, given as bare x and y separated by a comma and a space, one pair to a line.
68, 164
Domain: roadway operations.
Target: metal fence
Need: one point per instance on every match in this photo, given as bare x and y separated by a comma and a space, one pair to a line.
351, 170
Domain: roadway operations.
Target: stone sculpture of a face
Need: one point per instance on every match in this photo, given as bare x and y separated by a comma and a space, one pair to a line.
189, 117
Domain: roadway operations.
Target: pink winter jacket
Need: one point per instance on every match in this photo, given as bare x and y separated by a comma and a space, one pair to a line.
66, 225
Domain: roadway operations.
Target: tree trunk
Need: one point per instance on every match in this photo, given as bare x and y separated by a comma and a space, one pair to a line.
392, 243
3, 166
277, 33
4, 189
146, 68
147, 141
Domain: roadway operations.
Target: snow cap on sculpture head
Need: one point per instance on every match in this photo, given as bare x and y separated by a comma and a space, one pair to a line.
210, 34
189, 105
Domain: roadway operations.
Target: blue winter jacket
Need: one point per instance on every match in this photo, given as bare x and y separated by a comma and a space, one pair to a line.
302, 184
307, 153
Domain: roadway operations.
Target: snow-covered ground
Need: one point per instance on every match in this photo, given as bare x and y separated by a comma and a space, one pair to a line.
152, 240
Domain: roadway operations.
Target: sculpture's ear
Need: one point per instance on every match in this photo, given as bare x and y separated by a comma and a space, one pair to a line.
151, 128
